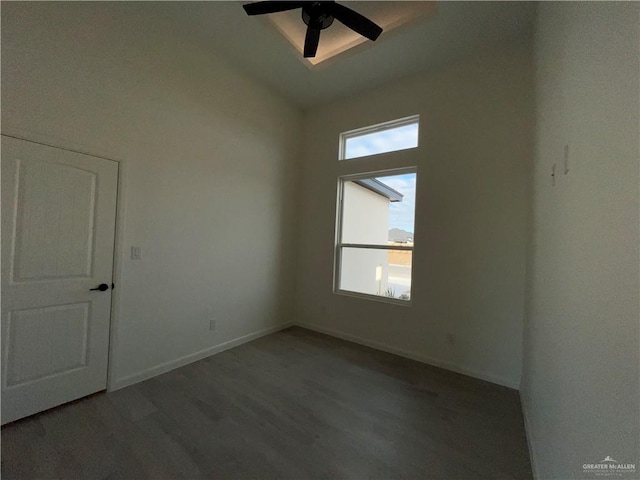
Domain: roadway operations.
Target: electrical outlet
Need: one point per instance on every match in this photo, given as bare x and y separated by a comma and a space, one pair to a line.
212, 324
451, 339
136, 253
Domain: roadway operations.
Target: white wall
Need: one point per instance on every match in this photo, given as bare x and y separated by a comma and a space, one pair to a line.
581, 387
471, 216
208, 158
365, 215
365, 219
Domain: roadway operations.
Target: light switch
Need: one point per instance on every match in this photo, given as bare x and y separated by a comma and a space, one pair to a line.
136, 253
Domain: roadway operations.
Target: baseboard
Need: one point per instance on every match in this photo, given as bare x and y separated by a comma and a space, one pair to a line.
192, 357
413, 356
527, 431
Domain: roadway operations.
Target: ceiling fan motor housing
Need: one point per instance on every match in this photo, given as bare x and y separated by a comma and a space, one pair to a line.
315, 16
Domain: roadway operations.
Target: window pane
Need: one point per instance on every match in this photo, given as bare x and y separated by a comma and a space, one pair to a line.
381, 141
379, 210
385, 273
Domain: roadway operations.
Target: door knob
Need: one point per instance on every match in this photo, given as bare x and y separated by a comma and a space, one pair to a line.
103, 287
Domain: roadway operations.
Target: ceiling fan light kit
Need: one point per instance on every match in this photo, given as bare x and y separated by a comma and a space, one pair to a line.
318, 16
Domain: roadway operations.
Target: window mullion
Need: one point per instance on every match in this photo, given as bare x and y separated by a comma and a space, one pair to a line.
375, 247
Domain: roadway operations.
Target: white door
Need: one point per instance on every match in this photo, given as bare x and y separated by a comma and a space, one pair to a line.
58, 222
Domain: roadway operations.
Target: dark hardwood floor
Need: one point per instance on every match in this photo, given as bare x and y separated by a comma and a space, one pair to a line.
292, 405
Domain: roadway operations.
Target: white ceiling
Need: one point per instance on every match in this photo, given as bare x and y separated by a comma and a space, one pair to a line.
255, 46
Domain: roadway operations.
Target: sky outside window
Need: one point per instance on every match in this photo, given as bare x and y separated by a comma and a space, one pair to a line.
390, 140
401, 214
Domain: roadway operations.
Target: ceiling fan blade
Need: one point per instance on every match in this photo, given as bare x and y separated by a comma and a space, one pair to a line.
261, 8
311, 41
354, 20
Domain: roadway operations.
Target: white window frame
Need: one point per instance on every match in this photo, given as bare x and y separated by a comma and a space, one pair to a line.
339, 246
380, 127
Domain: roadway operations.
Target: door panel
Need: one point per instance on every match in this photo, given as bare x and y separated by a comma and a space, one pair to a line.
58, 223
46, 341
54, 221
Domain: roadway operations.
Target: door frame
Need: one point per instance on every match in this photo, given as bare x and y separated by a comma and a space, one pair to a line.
118, 247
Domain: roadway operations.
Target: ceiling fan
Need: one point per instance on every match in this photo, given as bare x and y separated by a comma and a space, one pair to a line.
318, 16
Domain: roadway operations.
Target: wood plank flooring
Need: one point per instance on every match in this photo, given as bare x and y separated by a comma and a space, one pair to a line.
292, 405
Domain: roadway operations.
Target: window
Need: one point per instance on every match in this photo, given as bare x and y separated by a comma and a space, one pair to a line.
386, 137
374, 249
376, 211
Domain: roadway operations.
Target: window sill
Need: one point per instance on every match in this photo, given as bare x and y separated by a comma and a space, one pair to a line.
375, 298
